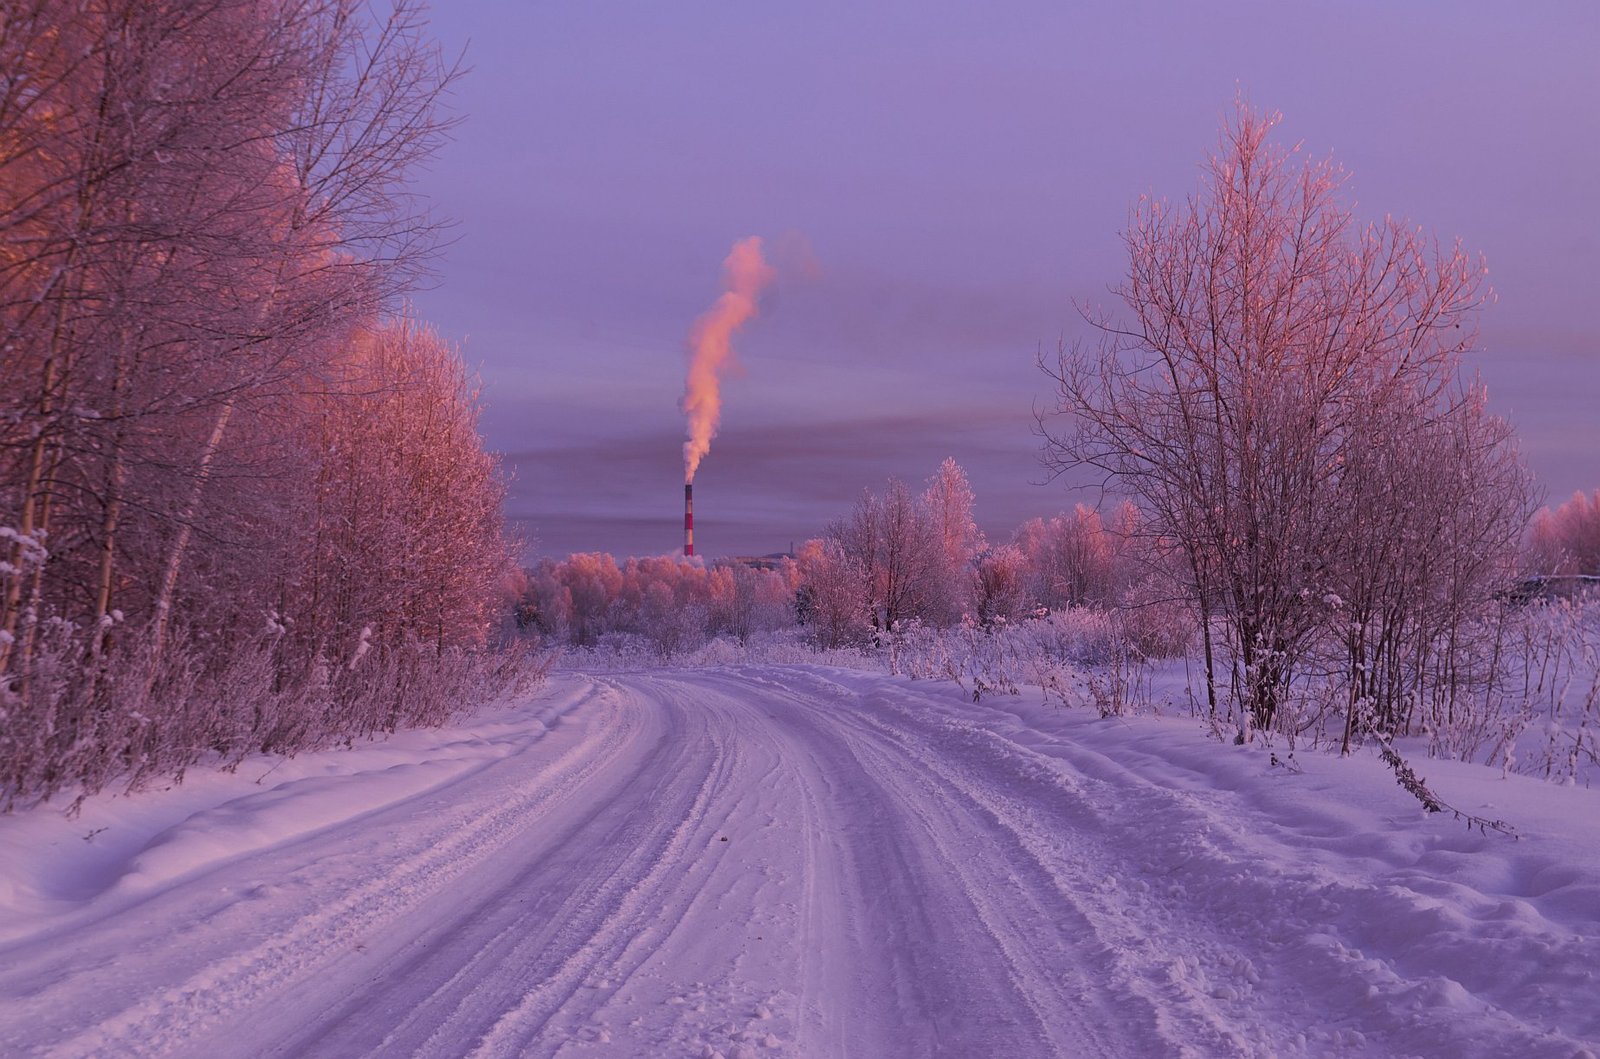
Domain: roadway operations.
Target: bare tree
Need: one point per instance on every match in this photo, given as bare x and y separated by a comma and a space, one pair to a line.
1431, 508
948, 503
350, 235
199, 201
896, 548
203, 216
832, 600
136, 172
1263, 325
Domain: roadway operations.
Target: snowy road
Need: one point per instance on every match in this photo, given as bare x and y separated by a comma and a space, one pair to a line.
796, 862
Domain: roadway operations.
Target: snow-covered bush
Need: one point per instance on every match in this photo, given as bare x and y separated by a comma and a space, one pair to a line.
1519, 689
1077, 655
79, 725
1546, 720
84, 723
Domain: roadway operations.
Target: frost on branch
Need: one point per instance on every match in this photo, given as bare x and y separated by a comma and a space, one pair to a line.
1283, 397
213, 404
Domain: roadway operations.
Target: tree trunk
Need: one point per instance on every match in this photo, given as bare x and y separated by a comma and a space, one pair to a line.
180, 543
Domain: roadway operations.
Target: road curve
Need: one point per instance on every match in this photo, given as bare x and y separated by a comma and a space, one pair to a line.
741, 862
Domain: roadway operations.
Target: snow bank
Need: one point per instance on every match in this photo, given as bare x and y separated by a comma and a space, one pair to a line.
54, 864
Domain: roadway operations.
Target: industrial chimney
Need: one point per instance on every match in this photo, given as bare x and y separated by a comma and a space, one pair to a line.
688, 518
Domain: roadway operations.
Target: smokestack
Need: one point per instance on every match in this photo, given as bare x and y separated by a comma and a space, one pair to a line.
688, 518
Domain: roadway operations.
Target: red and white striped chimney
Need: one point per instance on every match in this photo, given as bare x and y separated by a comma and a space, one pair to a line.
688, 518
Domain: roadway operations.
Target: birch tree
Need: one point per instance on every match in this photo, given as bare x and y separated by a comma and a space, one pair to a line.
204, 220
199, 202
948, 503
1263, 325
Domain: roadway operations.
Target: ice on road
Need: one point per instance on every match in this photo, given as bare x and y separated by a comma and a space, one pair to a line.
798, 861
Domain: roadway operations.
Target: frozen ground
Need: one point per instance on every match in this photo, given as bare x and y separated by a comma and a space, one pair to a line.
796, 861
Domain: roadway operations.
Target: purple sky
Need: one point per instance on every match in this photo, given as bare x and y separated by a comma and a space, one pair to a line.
960, 174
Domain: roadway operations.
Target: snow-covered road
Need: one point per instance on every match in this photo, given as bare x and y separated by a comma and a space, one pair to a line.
804, 862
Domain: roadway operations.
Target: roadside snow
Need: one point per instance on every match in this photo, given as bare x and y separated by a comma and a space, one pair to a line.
802, 861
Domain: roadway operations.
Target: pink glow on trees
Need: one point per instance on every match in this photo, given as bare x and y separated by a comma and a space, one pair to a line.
406, 534
671, 602
893, 545
203, 216
948, 503
912, 557
833, 596
1265, 332
1566, 539
1076, 560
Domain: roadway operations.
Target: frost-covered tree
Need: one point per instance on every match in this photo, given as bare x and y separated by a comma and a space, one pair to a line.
197, 204
745, 601
832, 602
915, 556
1432, 509
672, 602
1263, 329
406, 536
204, 217
1076, 560
593, 583
895, 546
1566, 539
948, 504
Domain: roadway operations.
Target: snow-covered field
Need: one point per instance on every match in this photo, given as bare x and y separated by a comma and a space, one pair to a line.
802, 861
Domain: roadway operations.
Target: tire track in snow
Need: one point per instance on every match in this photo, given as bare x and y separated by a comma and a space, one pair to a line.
173, 1018
1073, 865
528, 927
622, 910
527, 967
1063, 871
1005, 916
1201, 915
669, 927
906, 877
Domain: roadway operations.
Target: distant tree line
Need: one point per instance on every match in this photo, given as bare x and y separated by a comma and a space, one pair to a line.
896, 558
669, 601
243, 503
899, 557
1566, 540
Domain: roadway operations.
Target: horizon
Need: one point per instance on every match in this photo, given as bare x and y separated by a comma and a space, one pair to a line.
939, 188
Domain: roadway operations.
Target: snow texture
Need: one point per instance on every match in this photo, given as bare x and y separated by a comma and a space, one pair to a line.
802, 861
